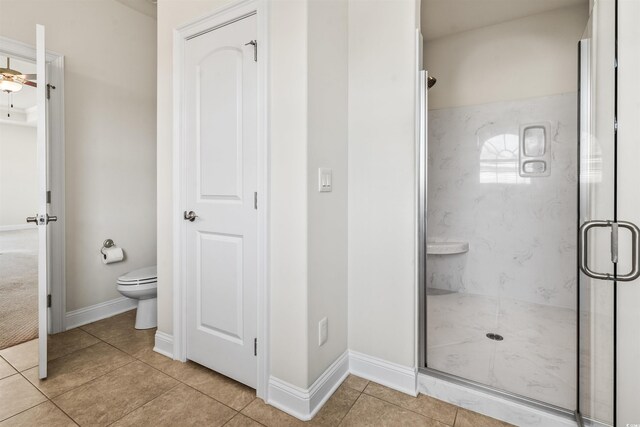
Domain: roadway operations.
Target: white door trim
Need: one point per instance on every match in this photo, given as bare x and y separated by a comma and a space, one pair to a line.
219, 17
55, 62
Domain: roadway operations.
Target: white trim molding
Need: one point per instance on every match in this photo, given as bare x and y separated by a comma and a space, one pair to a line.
220, 16
304, 404
100, 311
164, 344
389, 374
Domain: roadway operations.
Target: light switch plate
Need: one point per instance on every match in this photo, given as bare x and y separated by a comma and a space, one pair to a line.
323, 331
324, 180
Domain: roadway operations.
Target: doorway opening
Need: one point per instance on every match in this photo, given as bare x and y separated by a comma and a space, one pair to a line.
20, 190
18, 200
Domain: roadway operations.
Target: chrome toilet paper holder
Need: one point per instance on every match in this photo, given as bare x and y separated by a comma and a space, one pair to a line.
106, 245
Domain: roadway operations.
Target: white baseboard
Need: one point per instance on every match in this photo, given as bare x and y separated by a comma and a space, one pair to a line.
490, 405
392, 375
304, 404
100, 311
164, 344
17, 227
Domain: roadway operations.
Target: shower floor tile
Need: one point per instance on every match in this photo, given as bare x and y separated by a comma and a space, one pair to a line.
536, 358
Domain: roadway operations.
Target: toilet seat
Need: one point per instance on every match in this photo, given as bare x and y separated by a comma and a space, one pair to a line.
142, 276
136, 282
137, 290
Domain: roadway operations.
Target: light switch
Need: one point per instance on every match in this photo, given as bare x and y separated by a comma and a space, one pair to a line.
324, 180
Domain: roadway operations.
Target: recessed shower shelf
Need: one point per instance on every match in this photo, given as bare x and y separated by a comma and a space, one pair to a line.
447, 248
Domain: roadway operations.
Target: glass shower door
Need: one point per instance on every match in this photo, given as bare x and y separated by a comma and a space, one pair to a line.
597, 217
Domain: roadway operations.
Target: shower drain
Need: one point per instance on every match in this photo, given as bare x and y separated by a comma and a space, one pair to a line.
494, 337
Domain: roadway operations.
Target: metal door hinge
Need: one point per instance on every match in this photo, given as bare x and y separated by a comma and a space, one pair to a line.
49, 196
254, 43
49, 300
255, 346
49, 87
255, 200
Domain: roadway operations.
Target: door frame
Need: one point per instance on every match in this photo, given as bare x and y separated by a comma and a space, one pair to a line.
221, 17
56, 153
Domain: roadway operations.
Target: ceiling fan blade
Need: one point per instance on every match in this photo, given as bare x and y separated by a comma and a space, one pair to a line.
29, 76
32, 84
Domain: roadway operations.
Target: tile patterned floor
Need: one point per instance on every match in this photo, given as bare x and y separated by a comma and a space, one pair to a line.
106, 373
536, 359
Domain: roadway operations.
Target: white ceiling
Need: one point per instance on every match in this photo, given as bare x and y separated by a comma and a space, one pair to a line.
26, 98
444, 17
148, 7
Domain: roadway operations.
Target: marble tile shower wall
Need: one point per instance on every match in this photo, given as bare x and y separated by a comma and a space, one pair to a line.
521, 230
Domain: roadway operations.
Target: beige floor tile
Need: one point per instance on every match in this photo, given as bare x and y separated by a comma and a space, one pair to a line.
467, 418
213, 384
135, 341
270, 416
120, 332
242, 421
336, 408
181, 405
44, 415
70, 371
17, 395
112, 396
372, 412
61, 344
185, 372
154, 358
356, 383
112, 326
6, 369
22, 356
425, 405
221, 388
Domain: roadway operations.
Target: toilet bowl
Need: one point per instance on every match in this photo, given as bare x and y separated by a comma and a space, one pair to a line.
142, 285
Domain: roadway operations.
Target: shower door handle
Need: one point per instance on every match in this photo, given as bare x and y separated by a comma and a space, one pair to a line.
635, 243
635, 240
584, 249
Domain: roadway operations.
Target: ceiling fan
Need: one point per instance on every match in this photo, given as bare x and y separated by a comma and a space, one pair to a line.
13, 80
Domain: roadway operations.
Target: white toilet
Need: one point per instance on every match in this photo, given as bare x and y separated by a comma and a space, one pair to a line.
142, 284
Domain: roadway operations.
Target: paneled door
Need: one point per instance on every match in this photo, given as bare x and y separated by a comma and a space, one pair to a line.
220, 182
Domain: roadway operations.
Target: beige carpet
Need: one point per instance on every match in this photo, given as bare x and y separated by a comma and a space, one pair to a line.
18, 287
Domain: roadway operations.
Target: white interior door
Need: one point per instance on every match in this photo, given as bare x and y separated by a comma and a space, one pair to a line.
43, 217
220, 182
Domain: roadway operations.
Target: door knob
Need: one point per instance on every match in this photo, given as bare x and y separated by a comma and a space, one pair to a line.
190, 216
33, 219
52, 218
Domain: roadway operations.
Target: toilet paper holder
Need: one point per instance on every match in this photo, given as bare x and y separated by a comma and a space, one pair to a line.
106, 244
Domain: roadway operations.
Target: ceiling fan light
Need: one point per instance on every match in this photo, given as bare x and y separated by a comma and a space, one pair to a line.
10, 86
